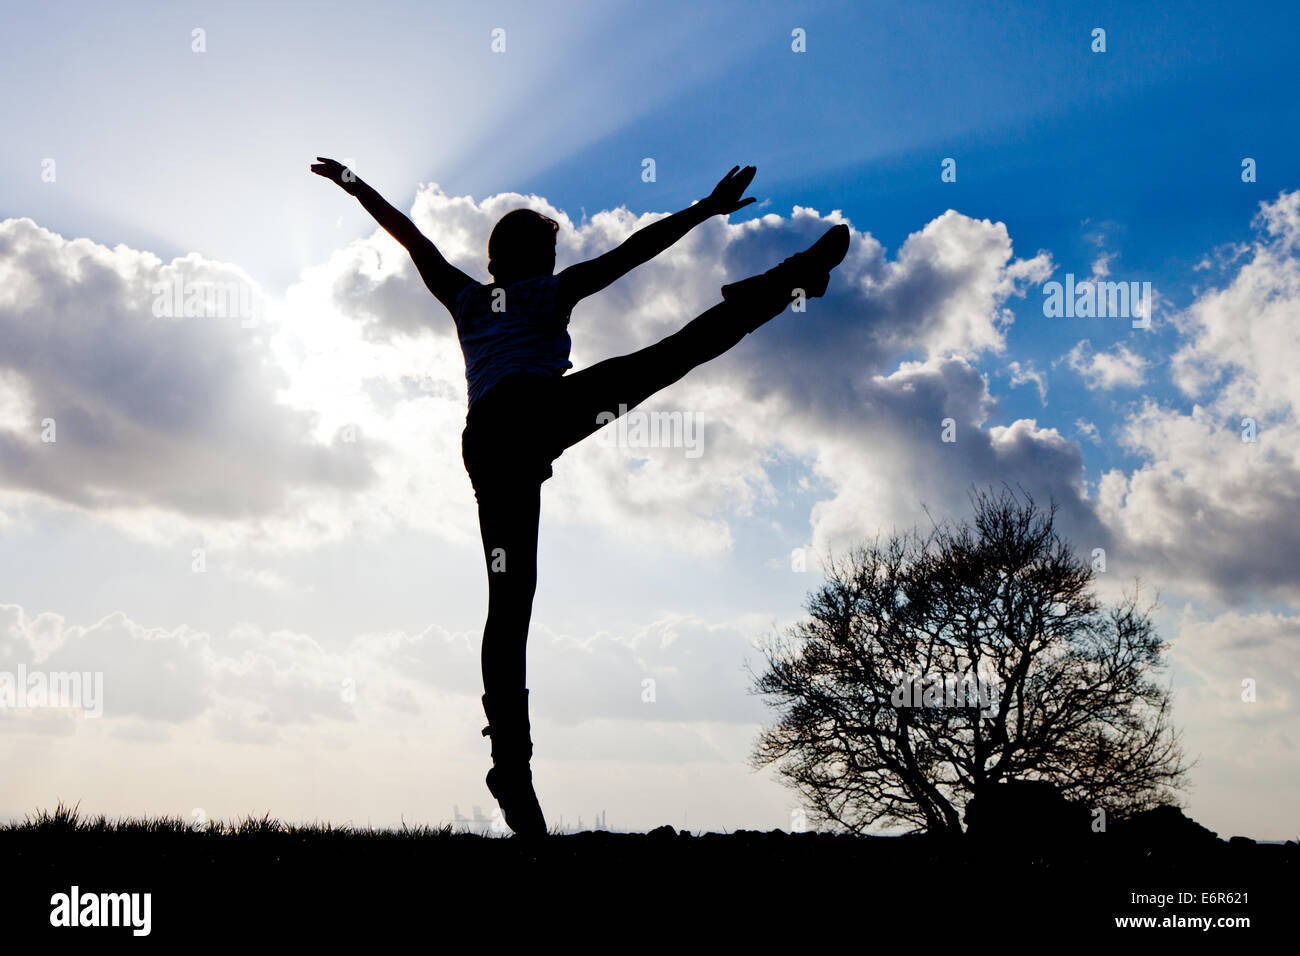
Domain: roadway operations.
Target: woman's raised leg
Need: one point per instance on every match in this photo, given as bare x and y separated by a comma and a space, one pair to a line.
591, 398
621, 383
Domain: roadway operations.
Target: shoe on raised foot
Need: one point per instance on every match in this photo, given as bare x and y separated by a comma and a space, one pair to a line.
809, 271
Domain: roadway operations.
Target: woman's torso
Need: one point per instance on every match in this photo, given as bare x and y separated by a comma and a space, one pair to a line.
505, 329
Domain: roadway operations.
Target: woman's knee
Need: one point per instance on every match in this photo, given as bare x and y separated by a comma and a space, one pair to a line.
511, 597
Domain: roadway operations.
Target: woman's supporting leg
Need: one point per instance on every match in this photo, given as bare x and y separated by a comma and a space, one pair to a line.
508, 521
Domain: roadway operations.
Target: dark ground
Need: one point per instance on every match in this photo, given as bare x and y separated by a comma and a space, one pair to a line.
260, 879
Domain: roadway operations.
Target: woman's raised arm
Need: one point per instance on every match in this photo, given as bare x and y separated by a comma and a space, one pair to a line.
444, 280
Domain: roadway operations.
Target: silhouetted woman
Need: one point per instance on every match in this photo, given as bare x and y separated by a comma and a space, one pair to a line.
524, 411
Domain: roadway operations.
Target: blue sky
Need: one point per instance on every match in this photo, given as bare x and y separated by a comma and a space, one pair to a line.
1131, 158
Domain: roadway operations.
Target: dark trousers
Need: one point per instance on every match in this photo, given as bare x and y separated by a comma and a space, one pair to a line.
523, 423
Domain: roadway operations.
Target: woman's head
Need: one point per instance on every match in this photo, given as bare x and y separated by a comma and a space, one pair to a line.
522, 246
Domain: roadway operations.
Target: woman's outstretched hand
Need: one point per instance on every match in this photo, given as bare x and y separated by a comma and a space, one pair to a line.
725, 197
336, 172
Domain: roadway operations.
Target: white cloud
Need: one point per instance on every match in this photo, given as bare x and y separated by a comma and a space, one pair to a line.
1243, 338
1119, 367
1207, 509
263, 681
1026, 374
1238, 701
359, 350
149, 411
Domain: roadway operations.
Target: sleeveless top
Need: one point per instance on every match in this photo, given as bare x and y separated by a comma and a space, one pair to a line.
528, 334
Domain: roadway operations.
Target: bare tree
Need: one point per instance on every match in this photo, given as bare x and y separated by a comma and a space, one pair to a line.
932, 667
